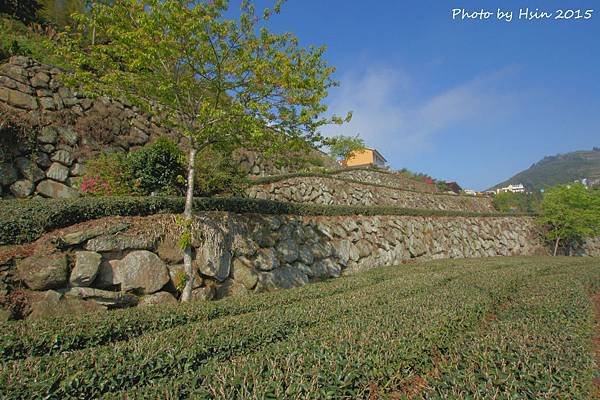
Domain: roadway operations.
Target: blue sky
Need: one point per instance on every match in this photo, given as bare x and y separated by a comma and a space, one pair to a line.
471, 101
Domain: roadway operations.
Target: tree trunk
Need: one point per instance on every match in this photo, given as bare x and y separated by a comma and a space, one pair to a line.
556, 246
187, 213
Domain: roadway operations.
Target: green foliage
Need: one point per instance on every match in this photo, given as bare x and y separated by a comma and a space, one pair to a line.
217, 80
526, 322
24, 10
570, 213
16, 39
218, 173
518, 202
158, 167
22, 222
58, 12
180, 280
343, 147
108, 174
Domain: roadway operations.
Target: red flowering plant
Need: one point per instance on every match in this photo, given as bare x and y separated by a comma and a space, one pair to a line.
95, 186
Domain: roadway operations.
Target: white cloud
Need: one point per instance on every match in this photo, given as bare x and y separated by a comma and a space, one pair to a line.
389, 116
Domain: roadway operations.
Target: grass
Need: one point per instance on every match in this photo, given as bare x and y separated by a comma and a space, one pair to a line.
501, 327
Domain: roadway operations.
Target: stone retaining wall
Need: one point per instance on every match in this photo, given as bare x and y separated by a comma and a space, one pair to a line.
397, 179
73, 128
121, 262
332, 191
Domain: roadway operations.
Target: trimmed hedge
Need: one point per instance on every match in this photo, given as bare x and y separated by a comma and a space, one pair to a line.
25, 221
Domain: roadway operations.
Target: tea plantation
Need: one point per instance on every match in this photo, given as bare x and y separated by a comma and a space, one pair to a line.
503, 328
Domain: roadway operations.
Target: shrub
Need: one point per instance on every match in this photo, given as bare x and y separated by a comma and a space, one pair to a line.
158, 167
155, 168
108, 175
218, 173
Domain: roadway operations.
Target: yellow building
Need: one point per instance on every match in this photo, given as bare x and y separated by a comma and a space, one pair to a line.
366, 157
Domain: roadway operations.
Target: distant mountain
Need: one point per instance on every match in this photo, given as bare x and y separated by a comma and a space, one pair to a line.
558, 169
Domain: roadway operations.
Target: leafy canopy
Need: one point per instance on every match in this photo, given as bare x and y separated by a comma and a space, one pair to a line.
571, 212
215, 79
343, 147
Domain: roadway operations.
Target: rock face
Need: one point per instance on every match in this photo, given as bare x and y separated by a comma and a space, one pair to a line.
335, 191
56, 190
52, 304
283, 278
44, 271
103, 297
142, 272
86, 268
213, 257
157, 298
77, 129
238, 254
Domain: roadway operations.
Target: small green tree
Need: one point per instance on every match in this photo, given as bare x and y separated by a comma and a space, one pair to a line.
343, 147
518, 202
215, 80
570, 213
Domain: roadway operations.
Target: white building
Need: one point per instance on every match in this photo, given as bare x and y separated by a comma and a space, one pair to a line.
470, 192
512, 188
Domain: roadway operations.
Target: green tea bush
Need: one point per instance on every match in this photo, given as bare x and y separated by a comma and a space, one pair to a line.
511, 327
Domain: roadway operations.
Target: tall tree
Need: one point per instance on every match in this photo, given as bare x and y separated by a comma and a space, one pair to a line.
570, 213
217, 80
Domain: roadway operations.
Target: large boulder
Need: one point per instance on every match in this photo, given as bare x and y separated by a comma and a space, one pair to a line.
142, 272
345, 251
103, 297
157, 298
8, 174
86, 268
213, 256
117, 243
43, 272
231, 288
288, 250
81, 236
56, 190
204, 293
326, 268
178, 270
22, 188
52, 304
282, 278
58, 172
108, 275
29, 169
266, 260
169, 251
243, 274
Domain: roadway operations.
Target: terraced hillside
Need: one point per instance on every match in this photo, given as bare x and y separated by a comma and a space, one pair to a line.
501, 328
363, 187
